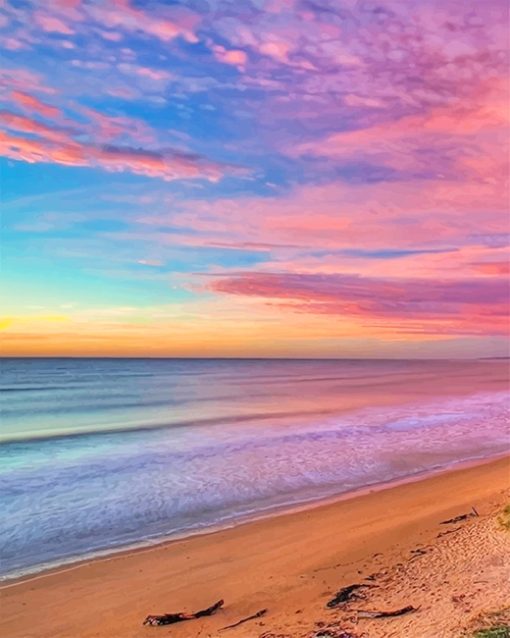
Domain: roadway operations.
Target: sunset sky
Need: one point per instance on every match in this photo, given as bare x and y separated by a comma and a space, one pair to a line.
255, 178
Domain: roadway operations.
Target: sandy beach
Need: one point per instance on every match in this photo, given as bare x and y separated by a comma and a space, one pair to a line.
292, 565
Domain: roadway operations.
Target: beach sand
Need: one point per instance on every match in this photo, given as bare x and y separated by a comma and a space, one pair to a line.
292, 564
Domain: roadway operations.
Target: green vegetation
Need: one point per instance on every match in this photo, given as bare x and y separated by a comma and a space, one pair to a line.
493, 632
504, 518
494, 624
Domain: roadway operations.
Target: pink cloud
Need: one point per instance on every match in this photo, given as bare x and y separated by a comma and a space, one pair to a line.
67, 4
112, 19
235, 57
452, 307
52, 24
277, 50
123, 15
13, 44
448, 263
113, 36
492, 267
156, 75
106, 141
57, 147
358, 100
107, 128
341, 216
24, 80
34, 104
153, 74
464, 134
371, 66
28, 125
167, 166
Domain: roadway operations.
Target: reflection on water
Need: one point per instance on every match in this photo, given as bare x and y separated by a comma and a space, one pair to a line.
102, 453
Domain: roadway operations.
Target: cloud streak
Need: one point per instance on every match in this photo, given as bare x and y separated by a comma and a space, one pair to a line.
166, 165
453, 307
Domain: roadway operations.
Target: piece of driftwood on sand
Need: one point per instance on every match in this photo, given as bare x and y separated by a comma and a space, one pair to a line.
363, 613
171, 618
461, 517
259, 614
346, 594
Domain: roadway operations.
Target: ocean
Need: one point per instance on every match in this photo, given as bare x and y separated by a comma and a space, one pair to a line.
103, 454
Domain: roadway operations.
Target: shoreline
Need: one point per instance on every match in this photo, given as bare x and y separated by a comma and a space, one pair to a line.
146, 545
253, 566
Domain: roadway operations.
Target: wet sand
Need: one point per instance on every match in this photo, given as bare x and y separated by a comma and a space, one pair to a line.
292, 565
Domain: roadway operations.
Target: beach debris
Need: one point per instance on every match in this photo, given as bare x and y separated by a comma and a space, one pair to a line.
270, 634
461, 517
457, 519
346, 594
171, 618
418, 552
362, 613
333, 632
448, 531
259, 614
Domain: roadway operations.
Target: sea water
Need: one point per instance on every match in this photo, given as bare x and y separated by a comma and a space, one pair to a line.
100, 454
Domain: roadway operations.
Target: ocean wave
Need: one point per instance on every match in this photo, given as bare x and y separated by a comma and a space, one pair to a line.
72, 485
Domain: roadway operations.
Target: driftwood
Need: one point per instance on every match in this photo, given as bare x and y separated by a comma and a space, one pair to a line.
346, 594
259, 614
170, 619
457, 519
330, 632
386, 614
461, 517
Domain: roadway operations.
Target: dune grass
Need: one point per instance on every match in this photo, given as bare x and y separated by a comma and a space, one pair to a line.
504, 518
500, 625
495, 624
493, 632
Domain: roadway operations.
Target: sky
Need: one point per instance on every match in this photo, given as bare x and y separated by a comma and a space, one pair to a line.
285, 178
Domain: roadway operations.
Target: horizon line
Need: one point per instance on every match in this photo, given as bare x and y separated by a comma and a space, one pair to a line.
268, 358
